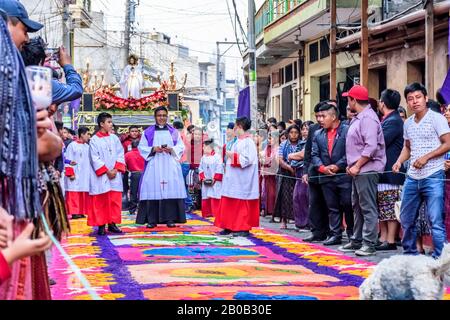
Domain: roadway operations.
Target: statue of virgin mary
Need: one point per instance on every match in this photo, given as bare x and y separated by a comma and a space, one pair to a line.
132, 79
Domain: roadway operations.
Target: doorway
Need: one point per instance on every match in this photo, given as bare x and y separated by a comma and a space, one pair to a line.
416, 71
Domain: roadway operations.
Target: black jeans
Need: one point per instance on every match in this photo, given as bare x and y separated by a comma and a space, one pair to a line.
339, 199
318, 211
135, 178
126, 188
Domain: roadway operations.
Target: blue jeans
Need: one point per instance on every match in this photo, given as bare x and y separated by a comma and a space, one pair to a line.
431, 192
188, 200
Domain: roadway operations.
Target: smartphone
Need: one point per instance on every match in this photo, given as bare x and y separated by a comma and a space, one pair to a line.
164, 146
53, 53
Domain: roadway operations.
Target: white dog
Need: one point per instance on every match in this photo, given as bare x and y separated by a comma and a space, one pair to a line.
404, 277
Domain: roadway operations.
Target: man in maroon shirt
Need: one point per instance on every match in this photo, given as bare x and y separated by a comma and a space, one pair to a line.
135, 166
133, 134
329, 159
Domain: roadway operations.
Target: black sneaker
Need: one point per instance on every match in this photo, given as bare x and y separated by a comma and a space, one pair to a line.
241, 234
386, 247
225, 232
314, 239
366, 251
350, 247
114, 229
333, 241
101, 231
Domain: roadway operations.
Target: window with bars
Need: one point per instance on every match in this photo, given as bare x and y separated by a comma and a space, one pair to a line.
275, 79
319, 50
314, 52
324, 48
295, 70
281, 72
289, 73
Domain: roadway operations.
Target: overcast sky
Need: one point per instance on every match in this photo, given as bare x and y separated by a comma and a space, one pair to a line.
197, 24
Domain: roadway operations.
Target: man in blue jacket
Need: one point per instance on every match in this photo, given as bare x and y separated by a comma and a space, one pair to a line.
33, 54
329, 159
389, 185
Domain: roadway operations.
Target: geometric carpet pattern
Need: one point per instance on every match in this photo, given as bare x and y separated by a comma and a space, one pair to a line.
192, 262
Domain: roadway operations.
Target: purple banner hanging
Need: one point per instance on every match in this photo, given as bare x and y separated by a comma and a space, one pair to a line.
445, 90
244, 103
75, 105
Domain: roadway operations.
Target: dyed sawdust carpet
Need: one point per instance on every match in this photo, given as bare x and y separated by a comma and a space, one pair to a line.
193, 262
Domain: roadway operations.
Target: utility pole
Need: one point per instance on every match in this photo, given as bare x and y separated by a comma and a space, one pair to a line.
141, 48
67, 27
429, 48
218, 71
301, 71
364, 69
252, 75
333, 82
127, 28
218, 58
219, 89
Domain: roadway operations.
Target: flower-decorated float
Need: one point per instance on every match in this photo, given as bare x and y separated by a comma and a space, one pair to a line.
137, 108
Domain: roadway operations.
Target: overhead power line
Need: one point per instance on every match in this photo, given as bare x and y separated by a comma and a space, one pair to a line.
239, 20
193, 50
234, 28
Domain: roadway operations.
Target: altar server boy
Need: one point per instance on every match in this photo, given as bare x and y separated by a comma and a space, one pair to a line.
77, 175
108, 165
239, 205
211, 175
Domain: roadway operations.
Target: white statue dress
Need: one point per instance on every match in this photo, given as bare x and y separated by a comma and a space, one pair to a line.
132, 82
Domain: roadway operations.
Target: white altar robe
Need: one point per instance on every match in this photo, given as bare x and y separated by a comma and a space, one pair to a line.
78, 152
106, 153
211, 167
162, 178
242, 182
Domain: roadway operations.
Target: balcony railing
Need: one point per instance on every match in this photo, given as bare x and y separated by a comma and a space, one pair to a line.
80, 12
85, 4
273, 10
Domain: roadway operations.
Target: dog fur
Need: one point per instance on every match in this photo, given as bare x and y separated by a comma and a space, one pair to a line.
405, 277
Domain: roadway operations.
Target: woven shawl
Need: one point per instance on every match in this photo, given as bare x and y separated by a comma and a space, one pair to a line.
19, 193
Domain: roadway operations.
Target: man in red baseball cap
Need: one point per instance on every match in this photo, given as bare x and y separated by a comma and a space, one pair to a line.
366, 158
357, 92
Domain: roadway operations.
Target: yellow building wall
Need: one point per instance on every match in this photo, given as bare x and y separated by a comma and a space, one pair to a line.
319, 68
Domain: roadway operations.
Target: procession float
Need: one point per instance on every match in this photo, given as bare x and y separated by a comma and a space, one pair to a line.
129, 102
